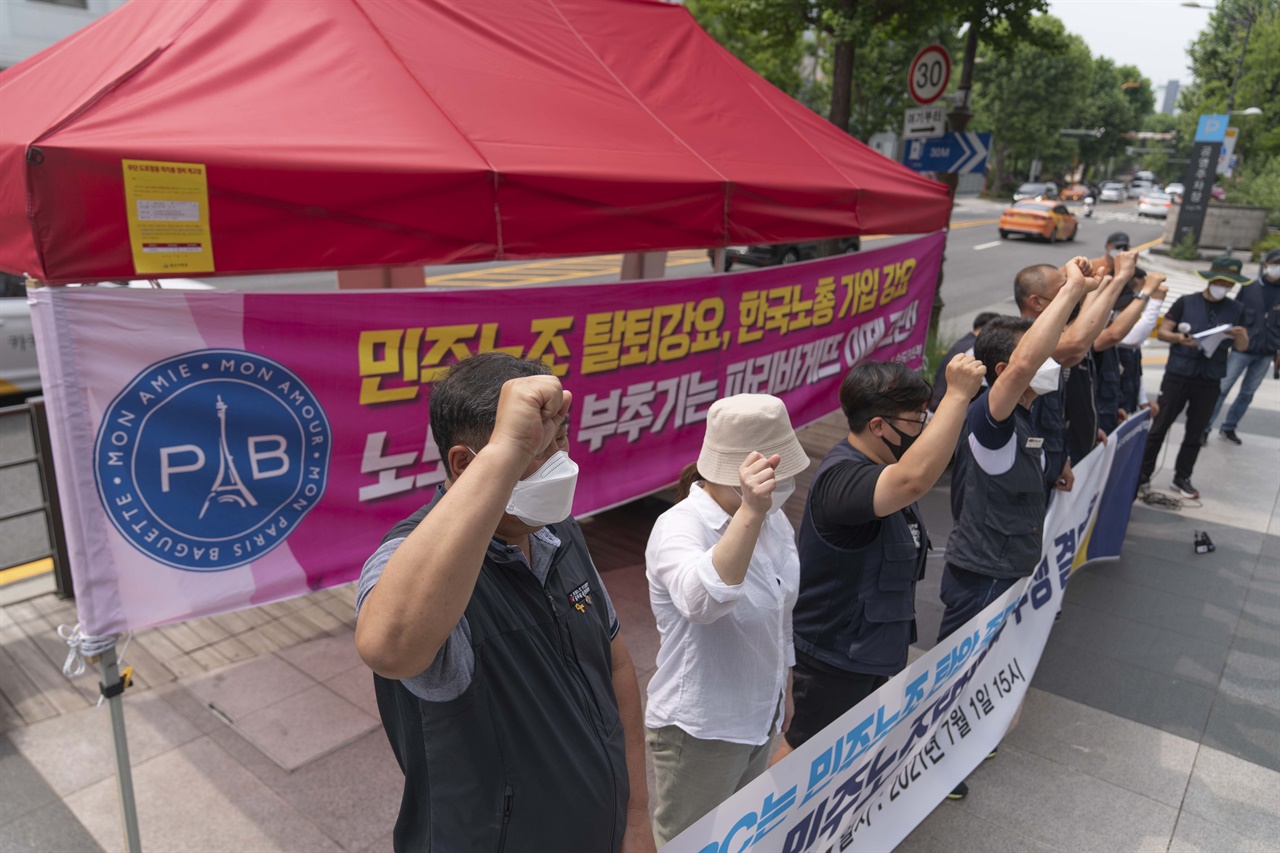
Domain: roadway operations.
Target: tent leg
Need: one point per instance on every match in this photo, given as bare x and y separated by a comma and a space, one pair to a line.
124, 774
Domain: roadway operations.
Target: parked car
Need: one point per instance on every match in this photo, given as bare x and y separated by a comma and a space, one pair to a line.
1047, 220
781, 253
1036, 189
1175, 190
19, 371
1075, 192
1155, 204
1145, 176
1111, 191
1137, 188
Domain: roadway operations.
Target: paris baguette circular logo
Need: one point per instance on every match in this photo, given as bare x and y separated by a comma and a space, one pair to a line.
209, 460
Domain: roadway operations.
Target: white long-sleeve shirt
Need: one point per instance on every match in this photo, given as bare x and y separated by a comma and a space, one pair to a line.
1142, 329
725, 649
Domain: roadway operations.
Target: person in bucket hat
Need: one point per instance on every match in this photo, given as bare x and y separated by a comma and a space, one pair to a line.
723, 573
1261, 299
1196, 368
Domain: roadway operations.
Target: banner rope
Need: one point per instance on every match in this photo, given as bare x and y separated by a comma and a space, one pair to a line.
83, 646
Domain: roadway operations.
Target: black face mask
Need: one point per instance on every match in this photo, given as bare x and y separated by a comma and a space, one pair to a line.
905, 441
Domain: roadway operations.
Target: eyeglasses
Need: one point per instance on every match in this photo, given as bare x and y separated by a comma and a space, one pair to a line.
922, 421
1121, 247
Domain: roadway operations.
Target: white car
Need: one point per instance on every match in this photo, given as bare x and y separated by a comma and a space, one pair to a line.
1175, 190
1155, 204
1137, 188
1112, 191
19, 372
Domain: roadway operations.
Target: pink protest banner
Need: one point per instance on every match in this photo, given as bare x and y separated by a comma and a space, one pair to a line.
223, 450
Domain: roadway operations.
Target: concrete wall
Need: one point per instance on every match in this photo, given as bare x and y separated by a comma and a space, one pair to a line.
29, 26
1225, 225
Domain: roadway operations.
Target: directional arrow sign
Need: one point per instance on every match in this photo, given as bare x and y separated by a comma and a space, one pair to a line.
924, 122
961, 153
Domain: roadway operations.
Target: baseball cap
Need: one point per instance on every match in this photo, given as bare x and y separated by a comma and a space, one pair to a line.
1226, 269
1118, 239
1272, 257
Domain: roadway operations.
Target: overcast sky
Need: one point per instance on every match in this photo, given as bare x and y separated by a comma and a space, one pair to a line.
1151, 34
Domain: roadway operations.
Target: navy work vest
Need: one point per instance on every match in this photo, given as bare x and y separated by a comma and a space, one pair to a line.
1049, 420
531, 755
1262, 315
999, 520
856, 607
1196, 311
1130, 377
1107, 388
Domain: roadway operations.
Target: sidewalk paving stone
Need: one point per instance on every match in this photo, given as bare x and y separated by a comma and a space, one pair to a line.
305, 726
75, 750
1237, 793
197, 798
1135, 757
1045, 801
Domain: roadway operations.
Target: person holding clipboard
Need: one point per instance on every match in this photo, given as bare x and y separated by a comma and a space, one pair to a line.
1197, 364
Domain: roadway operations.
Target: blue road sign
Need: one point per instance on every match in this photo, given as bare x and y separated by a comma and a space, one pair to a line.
961, 153
1212, 128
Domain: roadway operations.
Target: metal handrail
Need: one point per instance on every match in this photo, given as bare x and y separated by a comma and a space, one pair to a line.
50, 507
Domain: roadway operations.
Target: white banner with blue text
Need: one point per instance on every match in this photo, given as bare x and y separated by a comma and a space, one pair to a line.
868, 779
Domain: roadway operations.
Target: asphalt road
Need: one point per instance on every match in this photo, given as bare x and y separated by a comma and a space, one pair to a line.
979, 271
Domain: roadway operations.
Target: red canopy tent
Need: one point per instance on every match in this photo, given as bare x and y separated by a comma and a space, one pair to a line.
350, 133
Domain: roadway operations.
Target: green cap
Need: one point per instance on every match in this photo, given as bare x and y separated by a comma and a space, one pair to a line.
1225, 268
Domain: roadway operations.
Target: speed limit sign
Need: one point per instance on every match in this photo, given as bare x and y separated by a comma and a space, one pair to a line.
930, 73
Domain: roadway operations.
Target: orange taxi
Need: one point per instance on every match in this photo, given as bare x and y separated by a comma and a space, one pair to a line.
1033, 217
1075, 192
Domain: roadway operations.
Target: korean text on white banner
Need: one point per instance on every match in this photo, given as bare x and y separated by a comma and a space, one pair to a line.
864, 782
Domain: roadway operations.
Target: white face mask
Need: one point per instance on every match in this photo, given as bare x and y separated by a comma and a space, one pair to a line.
1271, 271
1218, 291
1047, 377
546, 495
783, 490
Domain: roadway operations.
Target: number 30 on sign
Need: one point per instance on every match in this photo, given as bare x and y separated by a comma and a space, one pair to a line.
930, 73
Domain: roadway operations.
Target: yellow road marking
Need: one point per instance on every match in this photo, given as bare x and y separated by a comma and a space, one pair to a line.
973, 223
1155, 359
1149, 244
26, 570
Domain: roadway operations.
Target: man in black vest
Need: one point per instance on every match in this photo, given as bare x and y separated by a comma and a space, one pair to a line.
862, 541
997, 493
1109, 359
1065, 419
1193, 376
1133, 394
508, 696
1261, 300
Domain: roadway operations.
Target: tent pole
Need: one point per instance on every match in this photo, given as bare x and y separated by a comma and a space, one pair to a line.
112, 688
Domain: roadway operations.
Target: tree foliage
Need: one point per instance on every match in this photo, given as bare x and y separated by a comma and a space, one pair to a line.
1025, 95
1215, 57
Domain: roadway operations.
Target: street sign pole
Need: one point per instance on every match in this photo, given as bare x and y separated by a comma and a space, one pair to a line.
959, 118
1211, 132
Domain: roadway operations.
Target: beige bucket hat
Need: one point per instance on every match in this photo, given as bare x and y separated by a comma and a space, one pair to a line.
745, 422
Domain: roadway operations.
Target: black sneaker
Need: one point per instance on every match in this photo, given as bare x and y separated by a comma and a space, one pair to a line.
1230, 435
1182, 485
959, 792
1204, 438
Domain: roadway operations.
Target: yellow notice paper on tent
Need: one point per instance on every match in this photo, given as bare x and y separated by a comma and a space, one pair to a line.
1211, 339
168, 210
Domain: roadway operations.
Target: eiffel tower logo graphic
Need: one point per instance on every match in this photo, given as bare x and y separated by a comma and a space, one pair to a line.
227, 486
